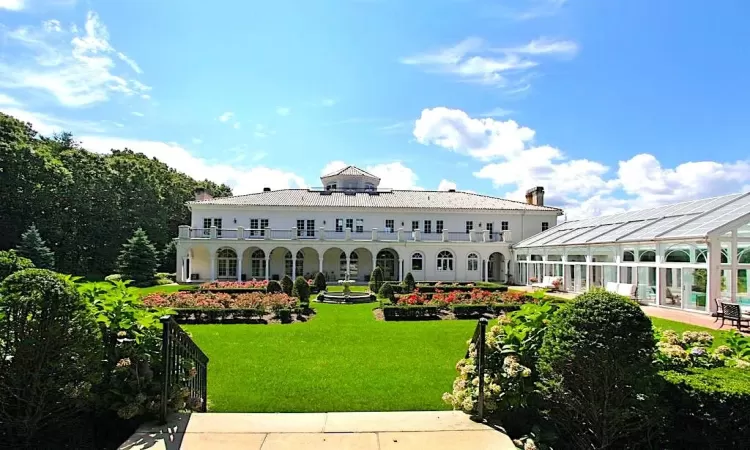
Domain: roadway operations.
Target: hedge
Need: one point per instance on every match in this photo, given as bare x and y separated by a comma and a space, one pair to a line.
216, 315
463, 310
433, 289
707, 409
409, 312
232, 290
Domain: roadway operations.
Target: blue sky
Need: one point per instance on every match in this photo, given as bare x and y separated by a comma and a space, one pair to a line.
610, 105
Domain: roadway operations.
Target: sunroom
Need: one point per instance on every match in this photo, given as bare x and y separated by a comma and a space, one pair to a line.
688, 255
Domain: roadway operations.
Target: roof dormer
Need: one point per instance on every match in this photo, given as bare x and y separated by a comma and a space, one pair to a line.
350, 178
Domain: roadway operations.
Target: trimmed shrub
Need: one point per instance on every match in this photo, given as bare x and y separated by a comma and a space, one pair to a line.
287, 285
409, 285
462, 310
376, 279
285, 315
49, 357
707, 409
11, 262
138, 259
386, 291
320, 282
301, 290
163, 281
597, 372
32, 246
273, 287
112, 278
409, 312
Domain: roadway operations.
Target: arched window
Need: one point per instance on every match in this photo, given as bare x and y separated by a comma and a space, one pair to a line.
445, 261
417, 261
678, 255
300, 269
386, 260
353, 264
472, 262
226, 263
647, 256
258, 264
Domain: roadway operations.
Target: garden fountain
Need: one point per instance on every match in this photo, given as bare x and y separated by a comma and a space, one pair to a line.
347, 284
346, 296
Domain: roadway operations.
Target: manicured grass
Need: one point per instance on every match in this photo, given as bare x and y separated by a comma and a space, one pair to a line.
342, 360
720, 337
144, 291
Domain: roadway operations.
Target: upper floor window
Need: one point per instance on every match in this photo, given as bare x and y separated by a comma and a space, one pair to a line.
414, 225
208, 222
490, 227
428, 226
438, 226
389, 225
300, 227
469, 225
339, 225
258, 227
310, 227
445, 261
545, 226
350, 224
369, 187
504, 225
360, 224
331, 187
472, 262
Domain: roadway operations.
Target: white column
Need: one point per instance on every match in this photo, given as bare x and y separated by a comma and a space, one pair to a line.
485, 268
348, 255
268, 266
294, 266
239, 266
401, 270
565, 275
660, 278
213, 266
733, 263
320, 262
588, 271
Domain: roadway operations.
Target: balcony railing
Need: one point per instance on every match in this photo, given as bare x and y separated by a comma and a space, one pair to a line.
321, 234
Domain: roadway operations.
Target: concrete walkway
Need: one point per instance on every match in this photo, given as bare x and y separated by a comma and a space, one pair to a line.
434, 430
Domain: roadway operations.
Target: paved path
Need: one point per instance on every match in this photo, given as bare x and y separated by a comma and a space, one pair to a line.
433, 430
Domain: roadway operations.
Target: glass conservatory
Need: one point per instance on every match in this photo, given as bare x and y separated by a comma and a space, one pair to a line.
682, 256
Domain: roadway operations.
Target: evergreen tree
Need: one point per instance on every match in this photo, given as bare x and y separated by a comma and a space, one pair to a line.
138, 259
376, 279
409, 284
33, 247
287, 285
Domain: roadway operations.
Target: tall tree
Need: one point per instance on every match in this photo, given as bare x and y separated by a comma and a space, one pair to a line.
138, 259
33, 247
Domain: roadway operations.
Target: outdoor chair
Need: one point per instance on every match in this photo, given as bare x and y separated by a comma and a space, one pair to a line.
733, 314
719, 314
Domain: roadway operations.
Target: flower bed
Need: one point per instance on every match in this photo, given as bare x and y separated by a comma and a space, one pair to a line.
451, 287
462, 305
241, 286
222, 307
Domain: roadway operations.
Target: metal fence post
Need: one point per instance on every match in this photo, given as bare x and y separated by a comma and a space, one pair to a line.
482, 325
165, 357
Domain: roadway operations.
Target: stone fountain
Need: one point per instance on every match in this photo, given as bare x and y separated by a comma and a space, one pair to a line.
347, 284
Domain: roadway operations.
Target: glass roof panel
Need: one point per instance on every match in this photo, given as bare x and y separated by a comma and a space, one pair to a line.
564, 238
614, 234
653, 230
594, 232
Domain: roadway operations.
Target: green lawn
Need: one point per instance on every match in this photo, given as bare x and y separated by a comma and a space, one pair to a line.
342, 360
720, 337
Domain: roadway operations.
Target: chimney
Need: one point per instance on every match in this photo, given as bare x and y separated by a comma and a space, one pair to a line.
451, 190
202, 195
266, 189
535, 196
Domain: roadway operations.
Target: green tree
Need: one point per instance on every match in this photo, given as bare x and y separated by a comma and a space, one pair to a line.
287, 285
376, 279
11, 263
320, 282
301, 290
138, 259
409, 284
33, 247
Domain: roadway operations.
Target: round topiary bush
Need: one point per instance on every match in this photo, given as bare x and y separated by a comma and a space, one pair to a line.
50, 356
320, 282
11, 262
386, 291
597, 372
301, 290
287, 285
273, 287
409, 284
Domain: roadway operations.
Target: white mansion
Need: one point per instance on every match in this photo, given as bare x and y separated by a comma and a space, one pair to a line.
350, 225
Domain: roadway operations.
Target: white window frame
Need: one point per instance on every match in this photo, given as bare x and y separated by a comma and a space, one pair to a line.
417, 256
472, 262
445, 261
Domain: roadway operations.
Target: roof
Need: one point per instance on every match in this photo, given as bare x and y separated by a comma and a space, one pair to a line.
350, 170
688, 220
379, 199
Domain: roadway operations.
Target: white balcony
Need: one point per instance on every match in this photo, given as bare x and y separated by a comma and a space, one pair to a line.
272, 234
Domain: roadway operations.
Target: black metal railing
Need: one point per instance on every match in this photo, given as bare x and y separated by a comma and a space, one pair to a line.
184, 366
480, 334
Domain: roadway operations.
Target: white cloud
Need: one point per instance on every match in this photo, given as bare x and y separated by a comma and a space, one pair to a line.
283, 111
484, 139
48, 125
332, 166
243, 180
395, 175
13, 5
226, 116
197, 141
582, 187
473, 61
77, 68
137, 114
497, 112
446, 185
8, 100
133, 65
